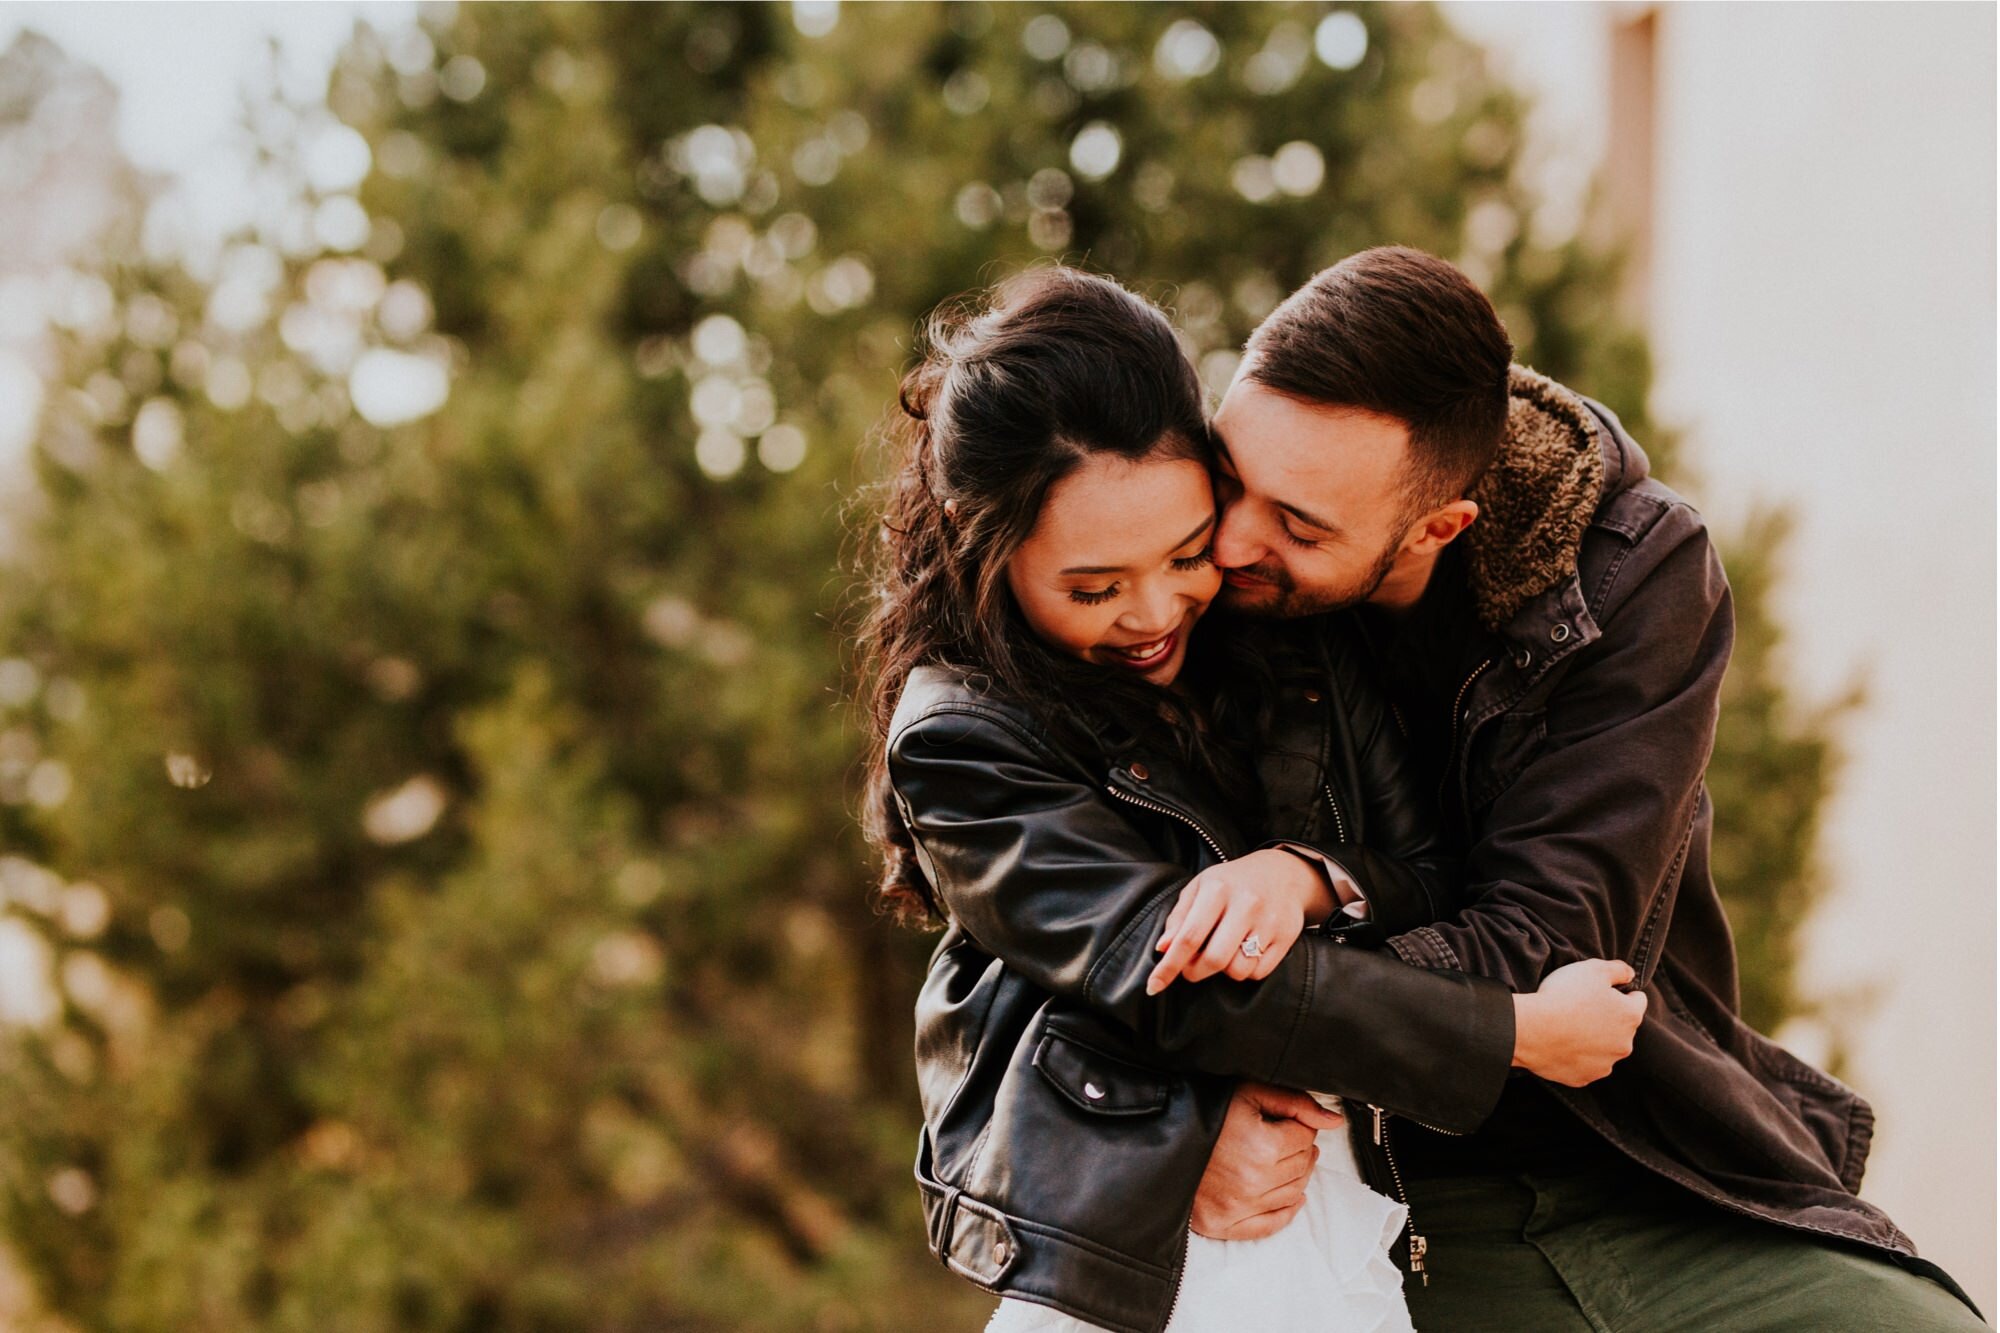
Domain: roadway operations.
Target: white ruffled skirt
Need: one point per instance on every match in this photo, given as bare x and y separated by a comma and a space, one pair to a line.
1328, 1269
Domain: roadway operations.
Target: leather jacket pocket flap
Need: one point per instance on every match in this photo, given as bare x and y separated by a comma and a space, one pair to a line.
980, 1245
1098, 1082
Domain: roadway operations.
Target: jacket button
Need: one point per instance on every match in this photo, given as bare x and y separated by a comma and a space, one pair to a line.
1139, 772
1312, 696
1559, 633
1000, 1253
1092, 1091
1522, 657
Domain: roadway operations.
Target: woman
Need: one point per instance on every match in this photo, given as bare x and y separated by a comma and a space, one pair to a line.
1067, 772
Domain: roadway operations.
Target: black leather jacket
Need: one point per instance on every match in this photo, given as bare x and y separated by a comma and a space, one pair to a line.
1068, 1116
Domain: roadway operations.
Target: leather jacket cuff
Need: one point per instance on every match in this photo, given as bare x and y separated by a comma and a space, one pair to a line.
1431, 1046
1350, 903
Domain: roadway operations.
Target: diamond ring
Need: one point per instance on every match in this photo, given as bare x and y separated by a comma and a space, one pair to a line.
1252, 947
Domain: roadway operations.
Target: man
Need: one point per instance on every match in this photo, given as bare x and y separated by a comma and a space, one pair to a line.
1552, 627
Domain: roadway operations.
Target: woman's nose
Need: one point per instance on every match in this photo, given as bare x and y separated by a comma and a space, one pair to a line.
1158, 606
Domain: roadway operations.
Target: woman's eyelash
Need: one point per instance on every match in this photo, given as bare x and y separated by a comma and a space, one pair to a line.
1200, 558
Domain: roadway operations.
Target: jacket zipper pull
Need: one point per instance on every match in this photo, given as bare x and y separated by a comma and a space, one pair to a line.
1419, 1247
1376, 1128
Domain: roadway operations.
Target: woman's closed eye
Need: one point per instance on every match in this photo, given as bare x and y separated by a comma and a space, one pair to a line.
1183, 564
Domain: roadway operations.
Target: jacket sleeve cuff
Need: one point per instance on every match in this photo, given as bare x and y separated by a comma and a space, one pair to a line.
1431, 1046
1350, 899
1395, 892
1424, 947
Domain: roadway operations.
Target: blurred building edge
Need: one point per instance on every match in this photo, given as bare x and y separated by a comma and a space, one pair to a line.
1625, 219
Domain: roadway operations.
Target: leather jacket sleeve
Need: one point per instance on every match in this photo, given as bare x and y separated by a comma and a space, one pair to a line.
1042, 870
1579, 856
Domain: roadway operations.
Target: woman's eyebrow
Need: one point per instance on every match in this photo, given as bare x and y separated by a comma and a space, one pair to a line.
1200, 528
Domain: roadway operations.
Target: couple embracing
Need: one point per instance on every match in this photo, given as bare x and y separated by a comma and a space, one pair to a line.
1313, 798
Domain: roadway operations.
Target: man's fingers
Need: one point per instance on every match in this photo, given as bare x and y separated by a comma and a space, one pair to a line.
1619, 973
1276, 1103
1295, 1167
1287, 1173
1263, 1224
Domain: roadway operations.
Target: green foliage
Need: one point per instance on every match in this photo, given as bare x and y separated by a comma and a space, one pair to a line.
1773, 768
487, 944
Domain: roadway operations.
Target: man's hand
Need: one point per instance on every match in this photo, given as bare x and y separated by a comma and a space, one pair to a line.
1578, 1024
1256, 1177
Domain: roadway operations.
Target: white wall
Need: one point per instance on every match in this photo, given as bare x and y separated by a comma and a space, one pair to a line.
1823, 325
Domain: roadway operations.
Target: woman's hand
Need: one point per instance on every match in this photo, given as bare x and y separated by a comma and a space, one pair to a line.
1270, 893
1577, 1025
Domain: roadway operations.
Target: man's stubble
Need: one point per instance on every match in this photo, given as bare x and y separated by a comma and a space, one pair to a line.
1283, 599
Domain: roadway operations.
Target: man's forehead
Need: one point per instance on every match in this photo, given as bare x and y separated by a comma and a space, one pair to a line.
1281, 440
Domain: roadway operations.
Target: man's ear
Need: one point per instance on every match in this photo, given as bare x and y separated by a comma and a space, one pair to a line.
1439, 528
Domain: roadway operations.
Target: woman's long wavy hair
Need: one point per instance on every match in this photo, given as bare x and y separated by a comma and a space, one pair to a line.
1052, 367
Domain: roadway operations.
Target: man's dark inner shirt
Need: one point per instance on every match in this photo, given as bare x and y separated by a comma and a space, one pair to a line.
1422, 659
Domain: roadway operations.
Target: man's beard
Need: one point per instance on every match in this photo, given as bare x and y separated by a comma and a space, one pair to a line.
1283, 599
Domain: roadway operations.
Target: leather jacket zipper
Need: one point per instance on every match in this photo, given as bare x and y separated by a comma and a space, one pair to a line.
1180, 1271
1419, 1246
1180, 1267
1172, 813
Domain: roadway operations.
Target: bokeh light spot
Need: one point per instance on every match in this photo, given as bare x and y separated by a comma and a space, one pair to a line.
720, 453
156, 433
390, 387
1298, 168
1095, 150
815, 18
782, 448
1186, 50
1045, 37
1341, 40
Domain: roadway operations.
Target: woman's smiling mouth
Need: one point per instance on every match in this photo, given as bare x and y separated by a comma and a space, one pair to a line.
1146, 656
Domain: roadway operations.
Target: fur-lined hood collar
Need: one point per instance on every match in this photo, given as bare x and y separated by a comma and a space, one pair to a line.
1557, 464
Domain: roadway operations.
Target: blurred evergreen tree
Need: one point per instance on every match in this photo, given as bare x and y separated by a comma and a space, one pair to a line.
438, 823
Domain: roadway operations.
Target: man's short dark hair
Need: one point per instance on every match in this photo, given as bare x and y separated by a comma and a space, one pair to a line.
1405, 334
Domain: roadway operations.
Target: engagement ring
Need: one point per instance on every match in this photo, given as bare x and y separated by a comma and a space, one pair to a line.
1252, 947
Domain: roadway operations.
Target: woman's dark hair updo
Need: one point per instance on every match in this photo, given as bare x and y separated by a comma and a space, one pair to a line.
1013, 392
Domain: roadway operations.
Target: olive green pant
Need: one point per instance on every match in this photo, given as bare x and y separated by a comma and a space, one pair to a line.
1535, 1253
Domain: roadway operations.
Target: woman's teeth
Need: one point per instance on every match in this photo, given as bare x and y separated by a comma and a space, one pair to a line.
1146, 652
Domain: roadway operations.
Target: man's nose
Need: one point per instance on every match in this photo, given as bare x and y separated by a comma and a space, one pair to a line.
1235, 546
